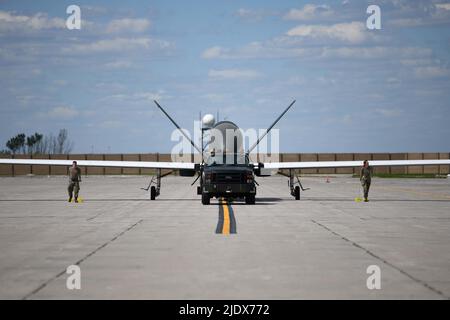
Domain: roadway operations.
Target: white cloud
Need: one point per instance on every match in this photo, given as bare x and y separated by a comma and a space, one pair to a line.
406, 22
417, 62
283, 48
374, 52
254, 14
9, 21
415, 14
150, 96
389, 113
214, 97
345, 119
96, 10
139, 96
128, 25
117, 44
120, 64
60, 82
444, 6
245, 13
234, 74
353, 32
253, 50
62, 112
309, 12
213, 52
431, 72
110, 124
393, 81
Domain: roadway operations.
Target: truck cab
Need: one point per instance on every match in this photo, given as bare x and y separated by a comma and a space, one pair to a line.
228, 176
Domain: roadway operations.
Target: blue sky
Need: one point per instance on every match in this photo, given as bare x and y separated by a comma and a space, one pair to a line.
357, 90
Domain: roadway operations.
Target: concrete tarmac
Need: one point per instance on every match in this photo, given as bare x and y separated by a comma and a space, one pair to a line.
129, 247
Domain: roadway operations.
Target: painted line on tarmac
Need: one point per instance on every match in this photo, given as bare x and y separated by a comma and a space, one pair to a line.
402, 271
227, 221
46, 283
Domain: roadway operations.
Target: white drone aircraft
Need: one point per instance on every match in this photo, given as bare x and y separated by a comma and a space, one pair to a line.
205, 169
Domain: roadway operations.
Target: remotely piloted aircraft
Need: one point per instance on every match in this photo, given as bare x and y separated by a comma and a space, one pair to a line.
225, 170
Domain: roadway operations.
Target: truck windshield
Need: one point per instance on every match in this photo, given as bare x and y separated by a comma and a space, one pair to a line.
226, 159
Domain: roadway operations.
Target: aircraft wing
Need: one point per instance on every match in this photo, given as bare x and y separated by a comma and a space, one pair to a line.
103, 163
351, 164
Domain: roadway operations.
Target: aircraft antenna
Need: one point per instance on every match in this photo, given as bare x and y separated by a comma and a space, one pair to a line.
178, 127
270, 128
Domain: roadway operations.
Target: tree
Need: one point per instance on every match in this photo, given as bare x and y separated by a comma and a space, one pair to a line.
62, 144
30, 144
16, 143
21, 141
11, 144
33, 141
38, 143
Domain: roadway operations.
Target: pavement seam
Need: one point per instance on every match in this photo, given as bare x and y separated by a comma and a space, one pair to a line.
338, 211
95, 216
43, 285
421, 282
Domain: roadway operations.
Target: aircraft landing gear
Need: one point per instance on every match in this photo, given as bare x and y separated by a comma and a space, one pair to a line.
297, 193
206, 199
250, 199
295, 190
153, 193
154, 185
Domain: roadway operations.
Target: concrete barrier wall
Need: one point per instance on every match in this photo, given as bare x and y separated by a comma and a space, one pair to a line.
17, 170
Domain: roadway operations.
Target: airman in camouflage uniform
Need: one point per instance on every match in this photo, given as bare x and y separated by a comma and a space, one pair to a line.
74, 181
365, 177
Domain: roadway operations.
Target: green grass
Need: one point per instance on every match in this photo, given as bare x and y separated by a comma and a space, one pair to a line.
407, 175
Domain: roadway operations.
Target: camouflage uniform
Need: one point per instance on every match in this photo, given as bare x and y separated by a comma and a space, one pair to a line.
74, 182
366, 178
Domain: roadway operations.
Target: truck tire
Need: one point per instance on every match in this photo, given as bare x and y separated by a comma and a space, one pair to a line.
250, 199
153, 193
297, 193
205, 199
